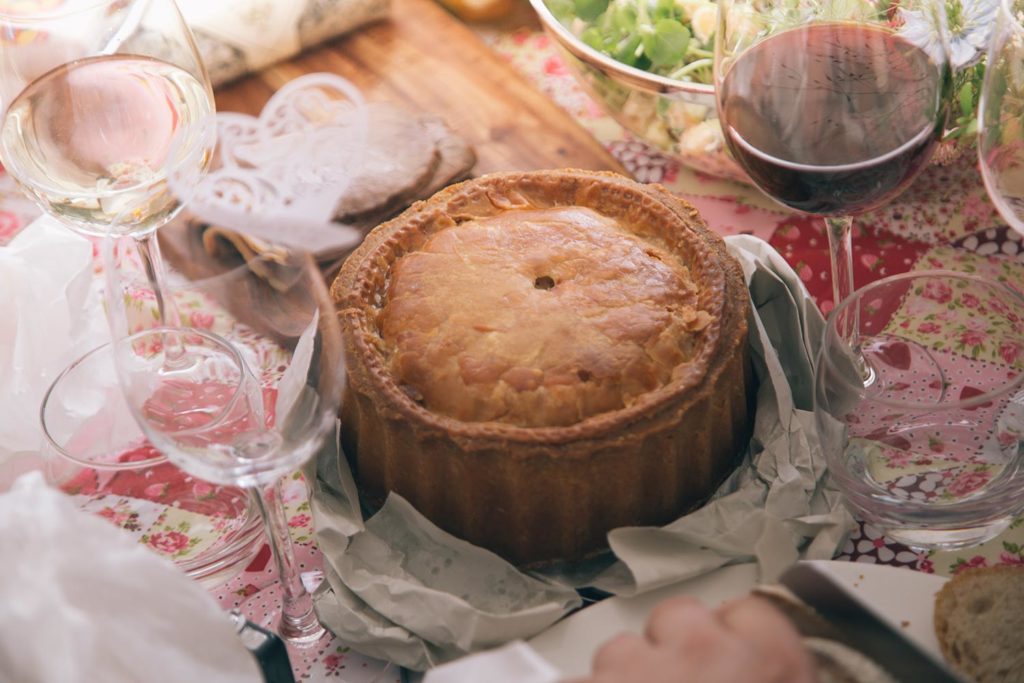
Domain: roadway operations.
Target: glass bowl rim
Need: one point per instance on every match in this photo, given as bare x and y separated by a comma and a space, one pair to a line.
106, 346
59, 449
222, 343
829, 329
997, 501
639, 78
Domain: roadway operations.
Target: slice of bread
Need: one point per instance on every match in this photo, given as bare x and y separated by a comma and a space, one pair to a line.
979, 622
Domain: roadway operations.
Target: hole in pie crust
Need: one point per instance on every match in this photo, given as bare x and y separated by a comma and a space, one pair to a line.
544, 282
584, 375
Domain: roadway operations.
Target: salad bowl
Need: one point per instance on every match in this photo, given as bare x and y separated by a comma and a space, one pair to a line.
648, 64
674, 115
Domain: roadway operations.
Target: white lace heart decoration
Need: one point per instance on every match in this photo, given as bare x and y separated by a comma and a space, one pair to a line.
279, 177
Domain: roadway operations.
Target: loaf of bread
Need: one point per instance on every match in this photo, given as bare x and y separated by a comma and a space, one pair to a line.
979, 622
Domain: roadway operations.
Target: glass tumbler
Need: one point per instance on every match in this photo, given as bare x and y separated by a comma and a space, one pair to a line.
932, 451
96, 453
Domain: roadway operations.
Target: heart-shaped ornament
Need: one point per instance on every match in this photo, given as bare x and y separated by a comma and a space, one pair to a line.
280, 177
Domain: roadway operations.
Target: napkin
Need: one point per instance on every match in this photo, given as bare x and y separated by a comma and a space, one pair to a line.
236, 37
398, 587
51, 315
82, 602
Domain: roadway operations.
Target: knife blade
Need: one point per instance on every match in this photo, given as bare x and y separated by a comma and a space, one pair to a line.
864, 630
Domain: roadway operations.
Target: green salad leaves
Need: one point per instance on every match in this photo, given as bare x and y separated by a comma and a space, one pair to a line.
671, 38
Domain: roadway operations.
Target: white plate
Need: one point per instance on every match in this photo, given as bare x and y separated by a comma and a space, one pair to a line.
903, 597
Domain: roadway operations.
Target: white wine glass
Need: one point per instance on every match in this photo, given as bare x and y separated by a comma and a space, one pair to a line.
108, 117
247, 406
1001, 116
830, 106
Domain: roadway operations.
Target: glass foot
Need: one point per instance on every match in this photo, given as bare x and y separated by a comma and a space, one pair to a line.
303, 631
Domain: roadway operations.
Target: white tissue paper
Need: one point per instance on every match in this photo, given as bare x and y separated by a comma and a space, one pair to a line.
81, 602
50, 314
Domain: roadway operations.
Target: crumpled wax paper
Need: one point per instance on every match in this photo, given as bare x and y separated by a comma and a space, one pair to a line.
401, 589
50, 314
81, 602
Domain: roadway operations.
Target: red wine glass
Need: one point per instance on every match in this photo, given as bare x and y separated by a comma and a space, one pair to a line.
832, 107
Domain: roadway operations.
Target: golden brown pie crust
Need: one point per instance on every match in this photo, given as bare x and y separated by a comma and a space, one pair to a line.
626, 404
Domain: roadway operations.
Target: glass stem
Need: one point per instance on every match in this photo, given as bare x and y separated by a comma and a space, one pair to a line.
152, 261
299, 624
149, 251
840, 247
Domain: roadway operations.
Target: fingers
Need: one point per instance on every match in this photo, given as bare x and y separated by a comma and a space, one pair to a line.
770, 633
685, 622
753, 614
623, 648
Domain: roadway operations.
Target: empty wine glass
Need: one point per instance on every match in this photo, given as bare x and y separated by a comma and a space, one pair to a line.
108, 116
248, 408
832, 107
935, 462
96, 453
1001, 116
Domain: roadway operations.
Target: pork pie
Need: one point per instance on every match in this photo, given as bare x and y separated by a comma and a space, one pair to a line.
535, 359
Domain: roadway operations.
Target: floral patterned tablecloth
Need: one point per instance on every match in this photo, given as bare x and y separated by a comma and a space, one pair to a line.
944, 220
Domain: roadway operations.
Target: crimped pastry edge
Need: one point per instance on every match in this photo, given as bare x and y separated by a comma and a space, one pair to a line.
353, 304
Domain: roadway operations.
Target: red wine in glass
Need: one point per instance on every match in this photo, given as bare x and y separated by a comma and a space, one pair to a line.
833, 118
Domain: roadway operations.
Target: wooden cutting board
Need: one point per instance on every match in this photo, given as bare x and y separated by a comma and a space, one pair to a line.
427, 60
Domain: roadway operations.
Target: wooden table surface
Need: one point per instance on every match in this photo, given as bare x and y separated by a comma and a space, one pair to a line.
427, 60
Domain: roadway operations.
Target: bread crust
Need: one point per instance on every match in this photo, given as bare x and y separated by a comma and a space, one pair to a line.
979, 623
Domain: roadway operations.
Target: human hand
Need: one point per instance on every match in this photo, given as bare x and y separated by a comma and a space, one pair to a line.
743, 641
